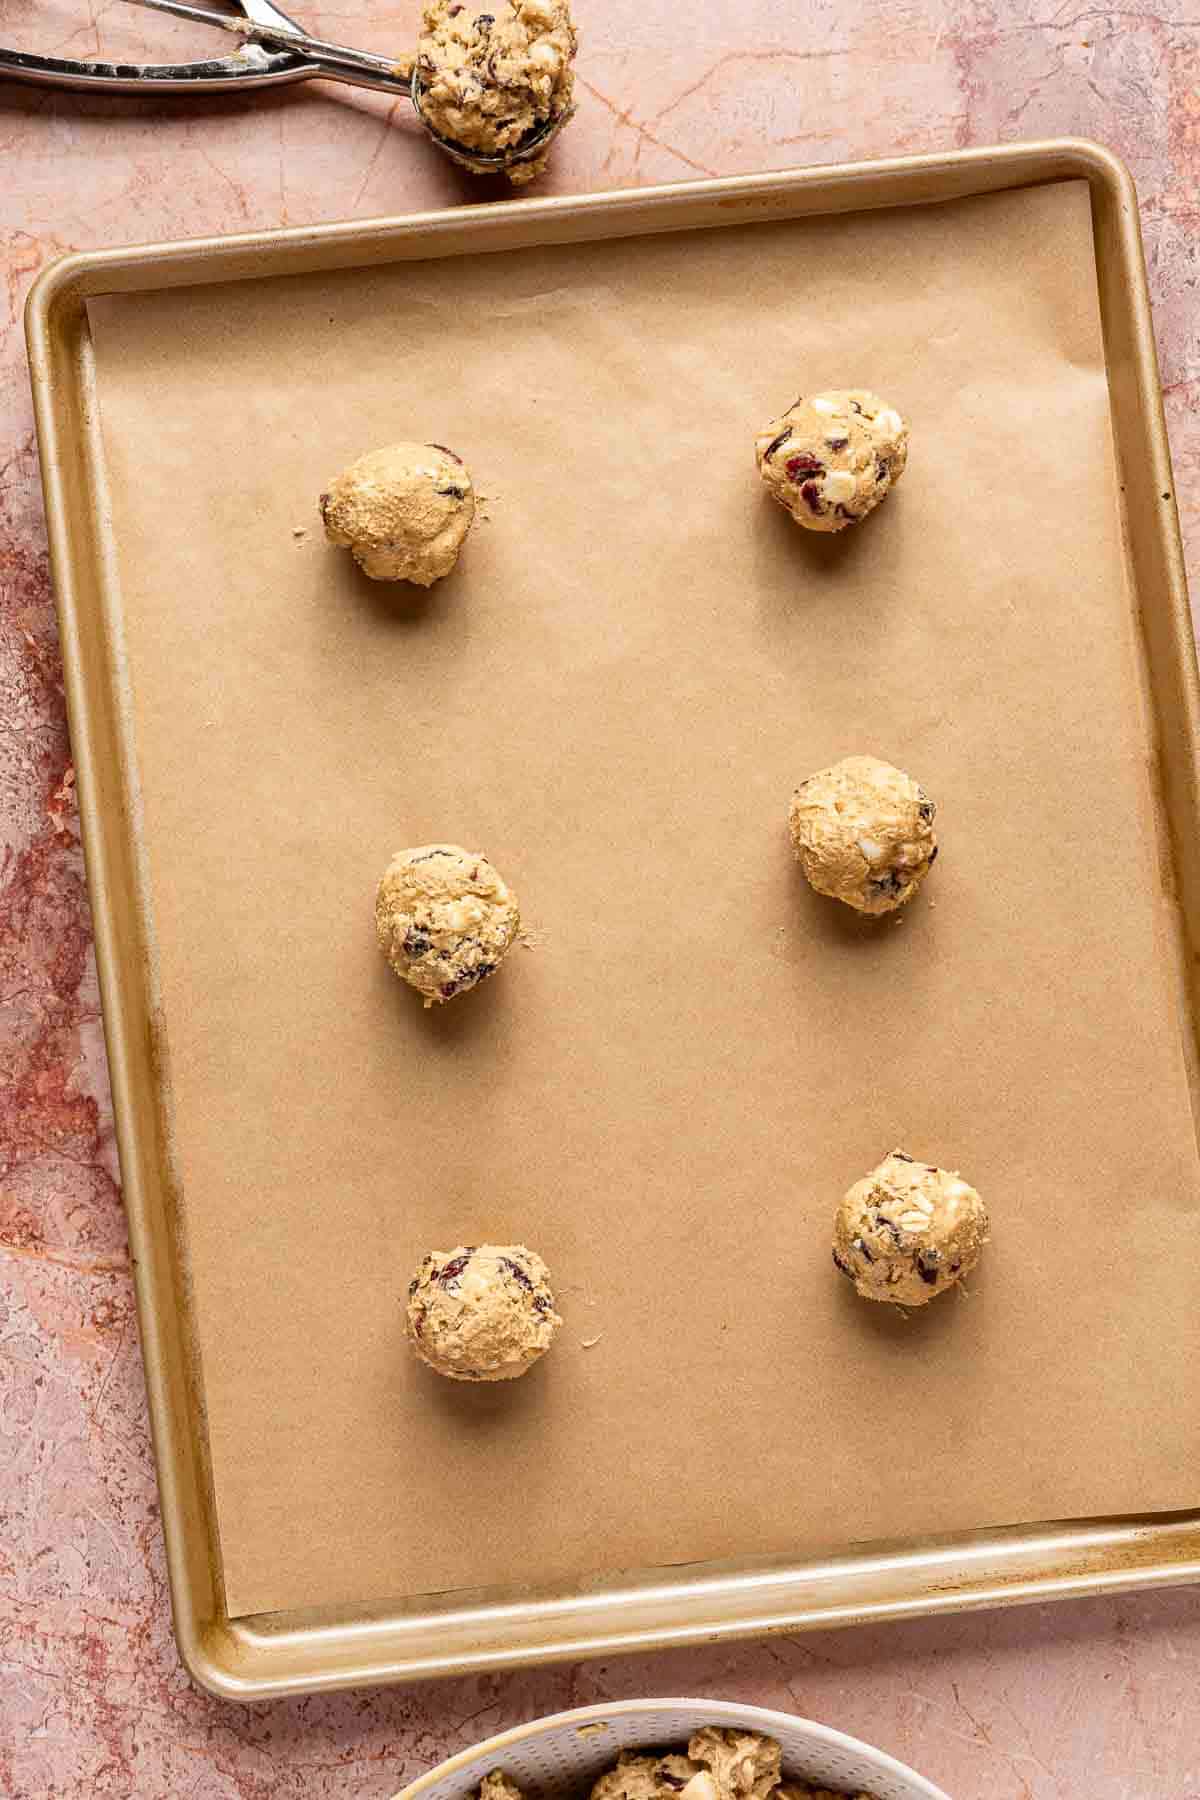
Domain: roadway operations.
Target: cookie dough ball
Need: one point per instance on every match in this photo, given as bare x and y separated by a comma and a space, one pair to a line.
863, 833
735, 1765
907, 1231
445, 919
481, 1313
403, 511
832, 458
490, 77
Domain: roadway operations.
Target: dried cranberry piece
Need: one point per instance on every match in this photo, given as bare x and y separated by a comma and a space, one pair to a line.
770, 450
540, 1304
858, 1244
517, 1272
803, 464
887, 885
469, 978
929, 1265
841, 1264
448, 1275
669, 1780
812, 495
417, 944
933, 853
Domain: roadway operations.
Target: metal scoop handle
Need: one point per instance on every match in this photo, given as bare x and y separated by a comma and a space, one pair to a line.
334, 62
274, 51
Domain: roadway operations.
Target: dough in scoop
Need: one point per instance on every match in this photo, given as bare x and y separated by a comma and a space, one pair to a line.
492, 75
445, 919
907, 1231
832, 458
403, 511
863, 833
736, 1765
481, 1312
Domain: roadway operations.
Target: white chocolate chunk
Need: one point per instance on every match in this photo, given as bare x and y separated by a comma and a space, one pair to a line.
840, 485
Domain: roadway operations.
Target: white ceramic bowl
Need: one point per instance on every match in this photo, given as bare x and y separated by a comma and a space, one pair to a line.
561, 1756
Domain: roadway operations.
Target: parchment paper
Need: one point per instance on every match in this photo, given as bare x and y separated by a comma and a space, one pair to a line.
613, 698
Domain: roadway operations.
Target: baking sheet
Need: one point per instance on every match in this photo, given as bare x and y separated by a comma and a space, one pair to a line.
613, 698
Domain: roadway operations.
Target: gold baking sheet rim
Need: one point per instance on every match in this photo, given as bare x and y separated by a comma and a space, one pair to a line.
296, 1652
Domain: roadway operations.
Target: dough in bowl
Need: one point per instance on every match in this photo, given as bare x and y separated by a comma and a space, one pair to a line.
720, 1764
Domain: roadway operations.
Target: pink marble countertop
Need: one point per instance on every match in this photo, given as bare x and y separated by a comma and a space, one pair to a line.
1091, 1701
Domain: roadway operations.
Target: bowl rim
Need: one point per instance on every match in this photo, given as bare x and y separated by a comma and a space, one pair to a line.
743, 1712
